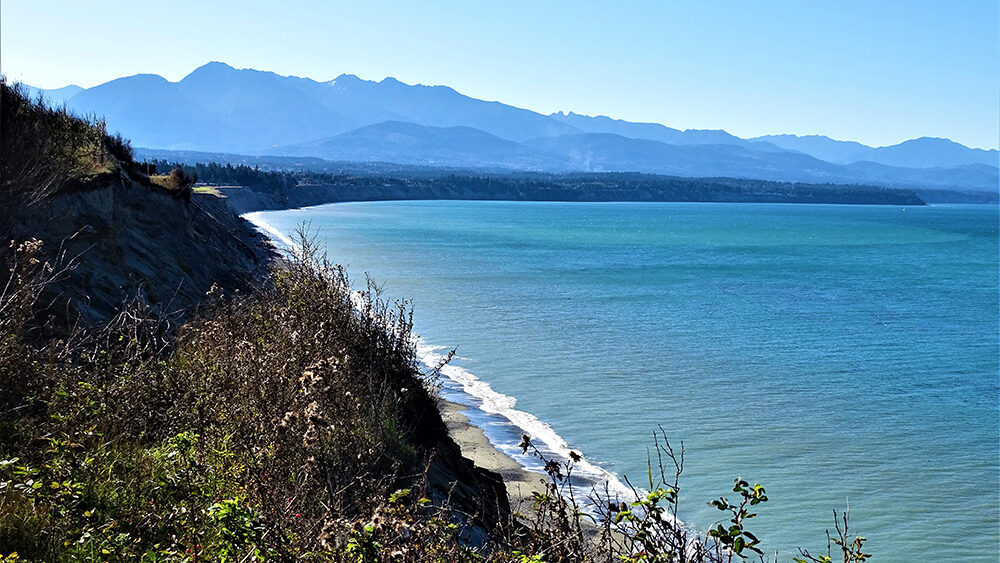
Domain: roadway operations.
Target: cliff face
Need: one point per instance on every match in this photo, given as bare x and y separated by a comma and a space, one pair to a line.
456, 481
123, 240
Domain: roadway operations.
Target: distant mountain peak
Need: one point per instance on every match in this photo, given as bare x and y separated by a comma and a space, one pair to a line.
142, 78
573, 114
346, 80
930, 141
794, 136
221, 108
54, 95
213, 66
219, 71
66, 87
213, 72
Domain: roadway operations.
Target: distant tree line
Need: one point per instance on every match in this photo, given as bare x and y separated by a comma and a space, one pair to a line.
465, 184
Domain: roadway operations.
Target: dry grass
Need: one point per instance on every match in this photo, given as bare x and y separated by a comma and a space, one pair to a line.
208, 190
177, 179
292, 408
45, 149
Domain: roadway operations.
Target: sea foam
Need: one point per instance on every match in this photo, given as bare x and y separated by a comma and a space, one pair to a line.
503, 424
259, 222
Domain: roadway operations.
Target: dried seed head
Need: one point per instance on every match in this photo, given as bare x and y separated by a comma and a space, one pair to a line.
290, 418
310, 437
312, 410
525, 443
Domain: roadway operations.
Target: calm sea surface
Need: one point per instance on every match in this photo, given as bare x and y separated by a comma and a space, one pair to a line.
832, 353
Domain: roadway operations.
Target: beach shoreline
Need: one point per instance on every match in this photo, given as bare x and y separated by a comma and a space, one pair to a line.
520, 482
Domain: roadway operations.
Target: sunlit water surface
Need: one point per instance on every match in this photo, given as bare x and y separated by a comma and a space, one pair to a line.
831, 353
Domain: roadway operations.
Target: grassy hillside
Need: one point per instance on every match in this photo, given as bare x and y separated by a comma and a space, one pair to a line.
166, 394
46, 151
263, 429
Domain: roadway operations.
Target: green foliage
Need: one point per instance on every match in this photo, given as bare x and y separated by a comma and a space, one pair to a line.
736, 537
238, 529
362, 546
851, 549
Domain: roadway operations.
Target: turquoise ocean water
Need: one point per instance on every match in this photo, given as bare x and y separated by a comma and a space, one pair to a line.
832, 353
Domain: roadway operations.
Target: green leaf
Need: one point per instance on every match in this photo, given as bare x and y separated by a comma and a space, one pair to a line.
399, 495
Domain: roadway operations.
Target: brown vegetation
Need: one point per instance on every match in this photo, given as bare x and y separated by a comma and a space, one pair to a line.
270, 425
46, 149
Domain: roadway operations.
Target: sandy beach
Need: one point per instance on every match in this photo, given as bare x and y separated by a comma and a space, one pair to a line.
520, 482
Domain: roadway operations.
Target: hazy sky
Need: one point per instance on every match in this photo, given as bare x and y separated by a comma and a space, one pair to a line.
874, 71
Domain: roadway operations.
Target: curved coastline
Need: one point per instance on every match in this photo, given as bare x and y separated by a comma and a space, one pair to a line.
359, 234
488, 428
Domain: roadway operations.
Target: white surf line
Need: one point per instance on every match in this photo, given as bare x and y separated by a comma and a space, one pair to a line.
258, 221
590, 478
499, 405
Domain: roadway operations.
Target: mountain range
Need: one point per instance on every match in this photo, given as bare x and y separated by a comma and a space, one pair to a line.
219, 108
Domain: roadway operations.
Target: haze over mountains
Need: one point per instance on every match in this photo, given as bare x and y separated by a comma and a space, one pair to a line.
221, 109
57, 96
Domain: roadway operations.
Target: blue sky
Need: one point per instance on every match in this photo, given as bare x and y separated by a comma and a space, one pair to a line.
876, 71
